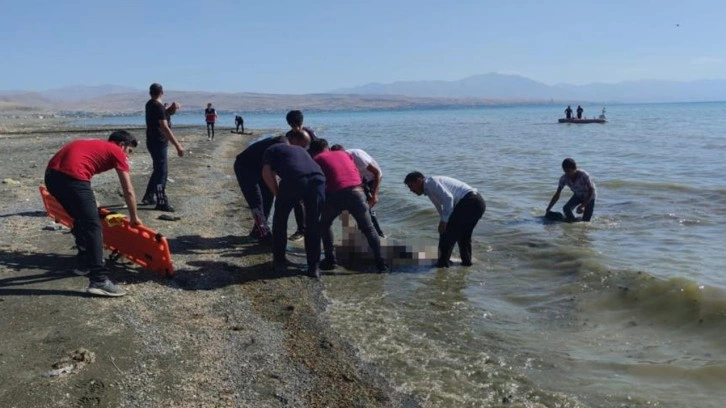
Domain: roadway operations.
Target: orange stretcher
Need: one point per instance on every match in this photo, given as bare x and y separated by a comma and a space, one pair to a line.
141, 245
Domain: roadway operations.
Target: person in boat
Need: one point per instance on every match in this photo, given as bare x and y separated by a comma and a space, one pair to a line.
568, 112
583, 189
579, 112
460, 208
602, 115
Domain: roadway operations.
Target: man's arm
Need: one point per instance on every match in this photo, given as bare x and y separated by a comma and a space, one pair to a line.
269, 176
129, 196
554, 199
166, 130
377, 175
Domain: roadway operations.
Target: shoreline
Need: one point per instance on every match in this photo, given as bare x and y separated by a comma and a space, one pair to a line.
225, 331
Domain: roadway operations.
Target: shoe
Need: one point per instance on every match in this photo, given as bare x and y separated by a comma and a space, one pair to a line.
105, 288
327, 264
466, 263
443, 264
382, 268
148, 201
297, 236
165, 207
314, 273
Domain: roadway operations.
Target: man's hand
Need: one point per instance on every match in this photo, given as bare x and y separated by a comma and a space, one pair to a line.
180, 151
135, 222
580, 208
442, 227
373, 200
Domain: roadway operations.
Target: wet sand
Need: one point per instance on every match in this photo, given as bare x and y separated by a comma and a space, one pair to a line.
226, 331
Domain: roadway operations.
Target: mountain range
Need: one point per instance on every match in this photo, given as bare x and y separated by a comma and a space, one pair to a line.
478, 90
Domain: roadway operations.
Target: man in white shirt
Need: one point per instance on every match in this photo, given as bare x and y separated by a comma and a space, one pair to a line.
371, 174
460, 207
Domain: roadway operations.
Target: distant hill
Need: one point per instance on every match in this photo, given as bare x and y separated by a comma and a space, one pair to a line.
83, 92
501, 86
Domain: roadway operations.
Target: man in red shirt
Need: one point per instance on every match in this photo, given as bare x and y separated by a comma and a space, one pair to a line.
343, 192
68, 179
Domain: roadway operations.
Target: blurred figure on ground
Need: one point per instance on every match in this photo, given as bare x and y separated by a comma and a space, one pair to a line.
239, 123
210, 116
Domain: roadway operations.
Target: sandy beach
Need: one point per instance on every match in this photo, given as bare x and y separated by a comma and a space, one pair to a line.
224, 332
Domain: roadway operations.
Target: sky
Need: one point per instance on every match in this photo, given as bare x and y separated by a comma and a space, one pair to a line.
311, 46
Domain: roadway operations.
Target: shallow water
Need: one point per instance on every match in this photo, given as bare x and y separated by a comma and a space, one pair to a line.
628, 309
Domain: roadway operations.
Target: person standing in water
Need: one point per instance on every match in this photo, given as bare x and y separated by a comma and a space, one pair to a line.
584, 192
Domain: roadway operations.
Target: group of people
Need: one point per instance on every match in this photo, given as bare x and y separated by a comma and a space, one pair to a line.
299, 172
568, 112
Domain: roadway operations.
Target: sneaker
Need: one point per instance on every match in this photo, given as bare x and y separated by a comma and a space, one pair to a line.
466, 263
165, 207
314, 273
382, 268
105, 288
297, 236
148, 201
80, 272
443, 264
327, 264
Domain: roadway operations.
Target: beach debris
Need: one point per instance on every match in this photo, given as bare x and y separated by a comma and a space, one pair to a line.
167, 217
11, 182
53, 227
73, 361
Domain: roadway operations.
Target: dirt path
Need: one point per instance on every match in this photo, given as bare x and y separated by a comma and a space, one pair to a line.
224, 332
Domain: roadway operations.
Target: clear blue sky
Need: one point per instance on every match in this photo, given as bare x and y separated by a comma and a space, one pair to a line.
282, 46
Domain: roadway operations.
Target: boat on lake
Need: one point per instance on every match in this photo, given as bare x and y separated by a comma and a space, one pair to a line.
599, 119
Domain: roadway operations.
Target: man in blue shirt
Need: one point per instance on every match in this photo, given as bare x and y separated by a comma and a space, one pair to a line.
301, 179
460, 208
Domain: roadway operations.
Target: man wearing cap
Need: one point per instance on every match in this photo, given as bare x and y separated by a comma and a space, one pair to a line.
68, 178
158, 137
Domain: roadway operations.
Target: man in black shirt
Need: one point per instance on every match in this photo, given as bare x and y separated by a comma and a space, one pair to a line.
248, 169
301, 179
158, 137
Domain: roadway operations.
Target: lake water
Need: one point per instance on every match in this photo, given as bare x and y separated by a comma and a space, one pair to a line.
628, 310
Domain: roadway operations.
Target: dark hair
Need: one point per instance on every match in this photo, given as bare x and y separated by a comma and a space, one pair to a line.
337, 147
569, 163
317, 146
124, 138
413, 176
297, 135
155, 89
294, 118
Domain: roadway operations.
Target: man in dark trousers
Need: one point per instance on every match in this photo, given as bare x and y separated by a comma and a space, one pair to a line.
239, 122
568, 112
460, 208
343, 192
579, 112
68, 178
248, 169
158, 137
210, 116
295, 119
301, 179
583, 189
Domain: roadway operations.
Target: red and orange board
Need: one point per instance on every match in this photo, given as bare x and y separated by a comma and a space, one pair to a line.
141, 245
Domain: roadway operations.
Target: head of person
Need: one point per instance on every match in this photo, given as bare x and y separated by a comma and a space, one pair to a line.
318, 146
156, 90
569, 166
337, 147
124, 139
294, 118
415, 182
209, 105
298, 137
